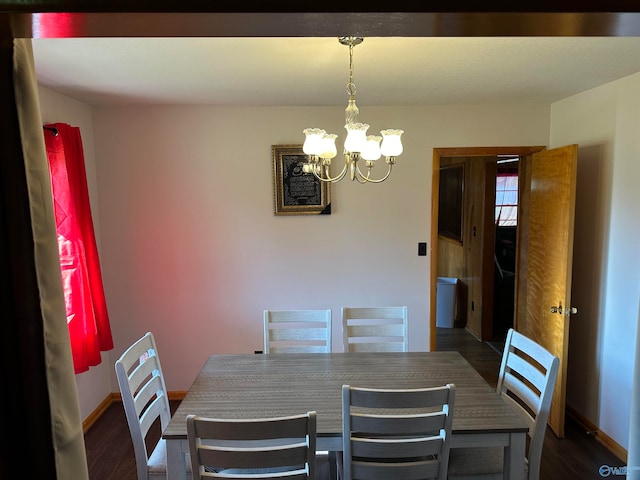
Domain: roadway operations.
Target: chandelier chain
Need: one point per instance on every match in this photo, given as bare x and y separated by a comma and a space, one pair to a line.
351, 87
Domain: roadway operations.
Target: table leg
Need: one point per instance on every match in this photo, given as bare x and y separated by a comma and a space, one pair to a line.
176, 469
514, 454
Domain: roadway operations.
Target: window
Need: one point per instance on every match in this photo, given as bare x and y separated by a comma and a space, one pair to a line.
507, 199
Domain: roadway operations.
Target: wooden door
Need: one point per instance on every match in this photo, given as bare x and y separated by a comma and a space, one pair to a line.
544, 263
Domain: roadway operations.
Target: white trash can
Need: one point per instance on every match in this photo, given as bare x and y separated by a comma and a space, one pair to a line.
445, 301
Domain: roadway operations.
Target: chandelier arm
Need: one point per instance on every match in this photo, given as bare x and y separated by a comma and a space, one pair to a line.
367, 178
360, 179
328, 178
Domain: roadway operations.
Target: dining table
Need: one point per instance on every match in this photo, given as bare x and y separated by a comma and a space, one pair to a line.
270, 385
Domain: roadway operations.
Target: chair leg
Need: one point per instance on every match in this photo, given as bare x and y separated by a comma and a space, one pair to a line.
333, 467
337, 461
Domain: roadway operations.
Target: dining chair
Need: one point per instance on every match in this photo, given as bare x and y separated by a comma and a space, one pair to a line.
145, 400
300, 331
297, 331
374, 329
267, 448
526, 381
399, 434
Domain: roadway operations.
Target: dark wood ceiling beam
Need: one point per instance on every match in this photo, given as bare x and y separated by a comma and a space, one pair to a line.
340, 6
315, 24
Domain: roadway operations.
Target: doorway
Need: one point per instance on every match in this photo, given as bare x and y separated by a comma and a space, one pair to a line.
505, 248
487, 285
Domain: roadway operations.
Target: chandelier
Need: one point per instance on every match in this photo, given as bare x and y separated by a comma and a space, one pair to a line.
320, 146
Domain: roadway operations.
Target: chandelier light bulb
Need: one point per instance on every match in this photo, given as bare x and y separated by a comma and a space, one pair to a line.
372, 148
328, 148
313, 141
391, 144
356, 137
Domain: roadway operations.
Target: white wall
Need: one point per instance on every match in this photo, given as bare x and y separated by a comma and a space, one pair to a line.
193, 251
605, 122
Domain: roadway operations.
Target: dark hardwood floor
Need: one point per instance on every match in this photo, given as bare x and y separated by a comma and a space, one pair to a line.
577, 456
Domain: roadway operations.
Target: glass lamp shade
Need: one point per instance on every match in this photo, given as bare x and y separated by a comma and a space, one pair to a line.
371, 150
313, 141
356, 137
391, 145
328, 146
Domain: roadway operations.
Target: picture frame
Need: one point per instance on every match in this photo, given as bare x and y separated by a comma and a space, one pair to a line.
451, 202
297, 192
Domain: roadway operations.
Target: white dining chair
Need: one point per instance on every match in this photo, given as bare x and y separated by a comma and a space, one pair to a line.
375, 329
268, 448
297, 331
145, 401
399, 434
300, 331
526, 381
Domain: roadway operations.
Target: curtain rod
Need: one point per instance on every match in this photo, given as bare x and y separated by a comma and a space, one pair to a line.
53, 129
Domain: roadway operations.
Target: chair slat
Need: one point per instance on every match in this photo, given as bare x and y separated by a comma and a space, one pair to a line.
300, 348
398, 424
419, 470
290, 427
292, 455
304, 333
382, 346
409, 398
391, 448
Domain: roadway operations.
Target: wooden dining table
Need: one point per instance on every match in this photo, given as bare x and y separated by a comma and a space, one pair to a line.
271, 385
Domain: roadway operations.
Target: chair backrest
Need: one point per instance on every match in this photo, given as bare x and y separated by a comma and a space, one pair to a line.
526, 381
297, 331
269, 448
396, 434
375, 329
144, 397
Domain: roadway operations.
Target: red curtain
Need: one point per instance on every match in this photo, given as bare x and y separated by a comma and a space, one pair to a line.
87, 317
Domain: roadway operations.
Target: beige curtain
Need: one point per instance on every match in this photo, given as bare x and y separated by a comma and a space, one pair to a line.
633, 457
66, 423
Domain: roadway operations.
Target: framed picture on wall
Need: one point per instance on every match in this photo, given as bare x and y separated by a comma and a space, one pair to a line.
296, 192
450, 204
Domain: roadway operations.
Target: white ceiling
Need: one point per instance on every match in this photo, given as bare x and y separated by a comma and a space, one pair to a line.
314, 71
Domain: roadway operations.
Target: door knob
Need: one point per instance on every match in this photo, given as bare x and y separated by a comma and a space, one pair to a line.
567, 311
